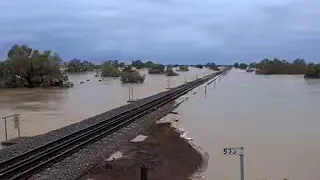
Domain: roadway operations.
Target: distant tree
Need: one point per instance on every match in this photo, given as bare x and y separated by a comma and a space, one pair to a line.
252, 65
243, 66
183, 68
149, 64
128, 75
199, 66
132, 77
78, 66
156, 69
121, 64
212, 66
313, 71
138, 64
108, 69
170, 71
236, 65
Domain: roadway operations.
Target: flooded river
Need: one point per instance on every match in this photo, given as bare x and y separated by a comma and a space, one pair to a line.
275, 118
43, 110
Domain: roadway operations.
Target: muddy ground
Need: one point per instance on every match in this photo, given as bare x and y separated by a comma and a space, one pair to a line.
163, 152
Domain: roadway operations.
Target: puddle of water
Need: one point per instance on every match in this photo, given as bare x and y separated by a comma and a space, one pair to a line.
139, 138
114, 156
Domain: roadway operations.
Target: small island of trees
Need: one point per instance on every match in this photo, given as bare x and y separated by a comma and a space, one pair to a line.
170, 71
212, 66
183, 68
79, 66
110, 69
129, 75
156, 69
27, 67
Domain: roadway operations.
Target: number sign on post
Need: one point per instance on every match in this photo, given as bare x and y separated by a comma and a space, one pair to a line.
233, 151
236, 151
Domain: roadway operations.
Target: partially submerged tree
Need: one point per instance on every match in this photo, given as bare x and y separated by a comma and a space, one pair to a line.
183, 68
138, 64
236, 65
277, 66
109, 69
32, 68
79, 66
148, 64
199, 66
128, 75
212, 66
313, 71
170, 72
156, 69
243, 66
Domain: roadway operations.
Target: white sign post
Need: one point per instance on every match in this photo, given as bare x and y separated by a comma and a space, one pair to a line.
236, 151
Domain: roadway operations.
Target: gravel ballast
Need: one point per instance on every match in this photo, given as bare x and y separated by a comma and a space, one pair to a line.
79, 163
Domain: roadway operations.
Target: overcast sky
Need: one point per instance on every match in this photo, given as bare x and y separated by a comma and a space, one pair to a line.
168, 31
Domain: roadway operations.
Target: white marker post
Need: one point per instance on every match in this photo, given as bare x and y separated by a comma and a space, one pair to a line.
236, 151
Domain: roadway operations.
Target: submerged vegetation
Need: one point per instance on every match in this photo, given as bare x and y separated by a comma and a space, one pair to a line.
212, 66
278, 66
79, 66
199, 66
170, 72
156, 69
129, 75
27, 67
313, 71
110, 69
241, 65
183, 68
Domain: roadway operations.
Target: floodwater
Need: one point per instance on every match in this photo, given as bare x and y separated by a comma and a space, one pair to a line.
44, 110
275, 118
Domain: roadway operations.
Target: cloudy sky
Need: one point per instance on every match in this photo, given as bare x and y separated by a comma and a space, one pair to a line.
168, 31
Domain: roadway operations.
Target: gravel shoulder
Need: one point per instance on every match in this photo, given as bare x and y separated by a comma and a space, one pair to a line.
166, 155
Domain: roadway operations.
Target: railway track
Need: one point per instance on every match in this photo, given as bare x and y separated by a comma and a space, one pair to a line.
36, 159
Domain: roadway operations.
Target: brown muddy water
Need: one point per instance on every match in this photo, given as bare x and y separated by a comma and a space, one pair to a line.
275, 118
43, 110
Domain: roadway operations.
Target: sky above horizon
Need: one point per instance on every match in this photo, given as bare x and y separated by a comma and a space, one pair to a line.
167, 31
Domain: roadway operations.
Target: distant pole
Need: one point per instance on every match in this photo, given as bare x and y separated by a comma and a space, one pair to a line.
17, 116
241, 165
129, 94
205, 90
5, 128
203, 74
185, 79
168, 83
132, 93
196, 76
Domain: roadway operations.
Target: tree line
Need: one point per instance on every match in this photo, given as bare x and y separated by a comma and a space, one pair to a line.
27, 67
277, 66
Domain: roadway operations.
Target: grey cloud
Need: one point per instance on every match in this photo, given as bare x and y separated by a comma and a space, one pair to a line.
166, 30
